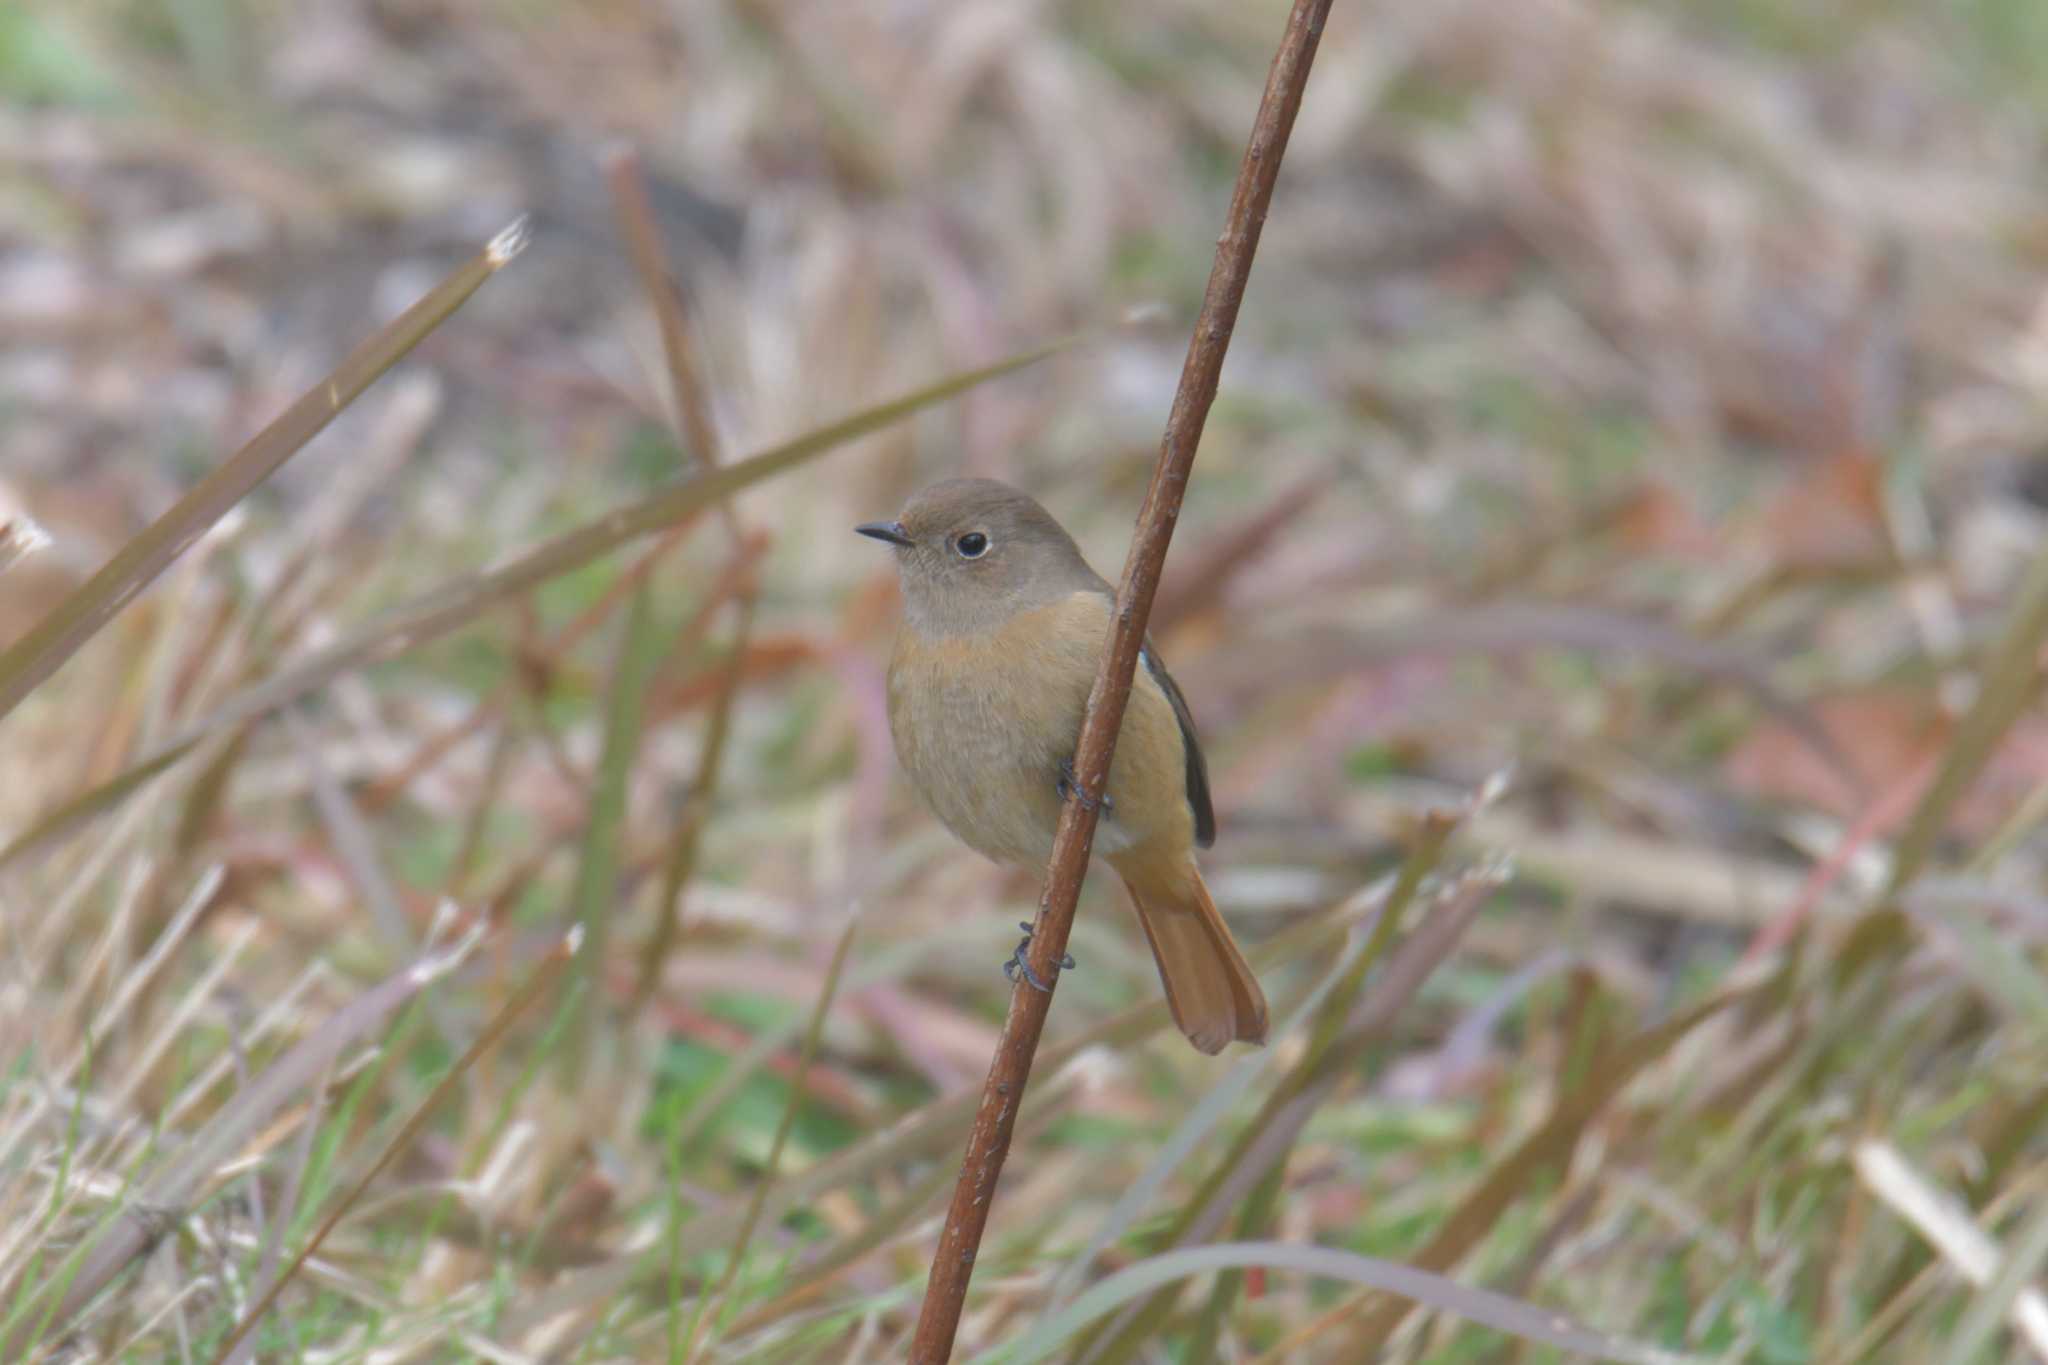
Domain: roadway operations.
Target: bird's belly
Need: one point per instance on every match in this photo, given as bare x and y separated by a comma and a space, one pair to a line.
988, 779
987, 759
985, 749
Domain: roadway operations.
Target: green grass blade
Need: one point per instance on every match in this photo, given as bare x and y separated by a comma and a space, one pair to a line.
930, 1131
1510, 1316
1207, 1115
764, 1184
597, 870
94, 800
1302, 1090
456, 604
2006, 686
536, 985
41, 652
1244, 1178
166, 1194
686, 835
1546, 1149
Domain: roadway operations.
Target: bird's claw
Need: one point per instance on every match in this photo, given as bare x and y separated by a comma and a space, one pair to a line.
1020, 963
1071, 790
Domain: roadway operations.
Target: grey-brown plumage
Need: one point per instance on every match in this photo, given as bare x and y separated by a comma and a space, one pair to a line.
1003, 628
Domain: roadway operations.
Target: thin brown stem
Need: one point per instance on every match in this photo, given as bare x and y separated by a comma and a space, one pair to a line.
693, 414
686, 838
537, 985
685, 374
988, 1143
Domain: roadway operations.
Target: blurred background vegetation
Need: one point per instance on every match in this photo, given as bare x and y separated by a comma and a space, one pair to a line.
1642, 403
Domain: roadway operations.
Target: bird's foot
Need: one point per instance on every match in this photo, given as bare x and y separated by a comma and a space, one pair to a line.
1020, 963
1071, 790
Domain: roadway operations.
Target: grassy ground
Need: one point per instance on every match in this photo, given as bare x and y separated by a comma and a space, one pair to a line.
1612, 592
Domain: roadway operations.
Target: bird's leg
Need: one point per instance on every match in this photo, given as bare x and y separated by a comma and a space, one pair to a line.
1070, 789
1020, 963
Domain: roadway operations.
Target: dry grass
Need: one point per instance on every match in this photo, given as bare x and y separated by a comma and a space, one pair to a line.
1645, 399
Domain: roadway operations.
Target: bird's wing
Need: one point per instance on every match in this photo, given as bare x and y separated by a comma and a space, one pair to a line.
1198, 767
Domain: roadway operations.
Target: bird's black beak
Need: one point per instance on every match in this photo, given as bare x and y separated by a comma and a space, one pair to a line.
891, 531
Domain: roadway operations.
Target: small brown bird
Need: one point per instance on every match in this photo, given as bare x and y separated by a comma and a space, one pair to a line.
1003, 628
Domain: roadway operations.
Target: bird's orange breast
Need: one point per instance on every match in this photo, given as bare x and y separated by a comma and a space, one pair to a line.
983, 723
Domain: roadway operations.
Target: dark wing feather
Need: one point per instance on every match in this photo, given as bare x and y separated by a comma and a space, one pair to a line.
1198, 767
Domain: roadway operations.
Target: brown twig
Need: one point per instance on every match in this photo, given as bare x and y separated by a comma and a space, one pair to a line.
685, 374
693, 413
988, 1143
686, 834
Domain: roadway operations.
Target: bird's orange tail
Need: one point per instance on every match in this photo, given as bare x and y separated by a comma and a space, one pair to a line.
1209, 986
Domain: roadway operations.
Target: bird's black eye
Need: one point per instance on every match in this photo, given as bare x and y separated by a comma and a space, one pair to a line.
973, 545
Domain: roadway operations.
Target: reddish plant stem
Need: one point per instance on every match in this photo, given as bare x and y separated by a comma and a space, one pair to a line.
693, 412
685, 373
988, 1143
